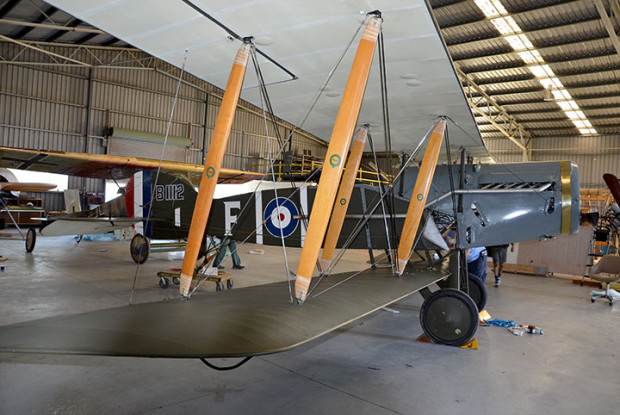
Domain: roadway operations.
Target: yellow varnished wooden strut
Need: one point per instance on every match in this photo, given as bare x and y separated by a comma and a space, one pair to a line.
419, 195
336, 152
343, 197
212, 167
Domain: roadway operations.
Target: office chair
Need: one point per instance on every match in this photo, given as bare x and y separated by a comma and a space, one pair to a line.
606, 270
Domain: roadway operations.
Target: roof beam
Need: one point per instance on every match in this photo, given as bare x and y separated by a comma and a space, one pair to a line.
575, 98
615, 8
482, 122
606, 129
502, 121
40, 25
41, 17
486, 68
72, 23
543, 50
570, 88
521, 13
608, 25
512, 79
589, 53
570, 25
46, 52
555, 110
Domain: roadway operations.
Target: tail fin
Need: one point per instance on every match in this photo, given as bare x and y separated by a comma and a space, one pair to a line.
170, 203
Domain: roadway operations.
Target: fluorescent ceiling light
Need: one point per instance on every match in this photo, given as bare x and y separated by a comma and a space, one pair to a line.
520, 43
575, 115
587, 131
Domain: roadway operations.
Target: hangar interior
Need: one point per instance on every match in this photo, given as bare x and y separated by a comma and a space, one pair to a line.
542, 82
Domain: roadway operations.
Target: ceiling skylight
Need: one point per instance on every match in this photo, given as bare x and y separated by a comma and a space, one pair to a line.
506, 25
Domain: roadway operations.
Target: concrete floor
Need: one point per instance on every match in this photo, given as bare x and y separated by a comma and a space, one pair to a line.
373, 366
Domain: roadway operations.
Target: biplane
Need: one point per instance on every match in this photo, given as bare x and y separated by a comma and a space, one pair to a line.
480, 203
11, 205
173, 194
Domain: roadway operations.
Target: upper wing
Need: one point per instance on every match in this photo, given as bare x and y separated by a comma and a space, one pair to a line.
103, 166
299, 51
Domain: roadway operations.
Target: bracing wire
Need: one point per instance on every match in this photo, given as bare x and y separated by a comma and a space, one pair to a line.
273, 178
381, 193
265, 101
161, 158
374, 205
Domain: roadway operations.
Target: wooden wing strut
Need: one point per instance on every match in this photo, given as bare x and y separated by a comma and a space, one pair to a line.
212, 167
336, 152
419, 195
343, 197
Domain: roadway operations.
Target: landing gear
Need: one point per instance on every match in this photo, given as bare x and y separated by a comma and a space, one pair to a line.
449, 316
31, 240
139, 249
478, 292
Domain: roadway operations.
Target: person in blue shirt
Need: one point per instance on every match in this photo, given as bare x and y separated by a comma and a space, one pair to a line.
477, 263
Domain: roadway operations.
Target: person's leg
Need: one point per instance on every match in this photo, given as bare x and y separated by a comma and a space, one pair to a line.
501, 259
220, 256
235, 256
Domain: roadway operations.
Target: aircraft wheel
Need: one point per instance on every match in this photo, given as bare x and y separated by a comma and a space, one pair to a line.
31, 240
219, 286
229, 284
176, 280
164, 283
139, 248
478, 292
449, 316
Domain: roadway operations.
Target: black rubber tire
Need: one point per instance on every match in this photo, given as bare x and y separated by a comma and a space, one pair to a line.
229, 284
176, 280
450, 317
164, 283
139, 248
31, 240
478, 292
219, 286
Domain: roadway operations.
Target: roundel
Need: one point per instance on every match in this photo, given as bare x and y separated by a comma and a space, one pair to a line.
281, 217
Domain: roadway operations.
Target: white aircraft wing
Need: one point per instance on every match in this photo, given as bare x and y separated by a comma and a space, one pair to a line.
300, 43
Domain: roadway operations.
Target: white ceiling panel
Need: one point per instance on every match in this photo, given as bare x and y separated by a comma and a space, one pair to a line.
305, 38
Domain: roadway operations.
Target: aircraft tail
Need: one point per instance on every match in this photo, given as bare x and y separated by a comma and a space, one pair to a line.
170, 203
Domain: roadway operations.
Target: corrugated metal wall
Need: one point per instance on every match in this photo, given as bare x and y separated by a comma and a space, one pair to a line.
595, 155
45, 107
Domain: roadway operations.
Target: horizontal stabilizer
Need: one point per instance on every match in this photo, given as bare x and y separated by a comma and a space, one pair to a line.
248, 321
